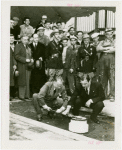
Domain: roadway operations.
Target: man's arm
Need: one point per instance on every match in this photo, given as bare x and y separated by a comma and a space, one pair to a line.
17, 55
74, 97
101, 94
42, 93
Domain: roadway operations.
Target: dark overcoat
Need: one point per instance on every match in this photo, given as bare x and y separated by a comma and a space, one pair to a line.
12, 63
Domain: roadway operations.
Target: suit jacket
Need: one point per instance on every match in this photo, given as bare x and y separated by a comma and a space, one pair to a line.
96, 93
52, 49
37, 73
68, 59
46, 93
20, 57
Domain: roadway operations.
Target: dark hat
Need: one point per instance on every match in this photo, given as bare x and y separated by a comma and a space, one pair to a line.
64, 38
71, 28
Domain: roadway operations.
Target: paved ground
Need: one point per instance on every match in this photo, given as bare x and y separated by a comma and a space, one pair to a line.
102, 132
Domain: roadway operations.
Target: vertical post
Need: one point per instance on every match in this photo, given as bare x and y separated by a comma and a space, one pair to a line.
105, 18
75, 23
96, 20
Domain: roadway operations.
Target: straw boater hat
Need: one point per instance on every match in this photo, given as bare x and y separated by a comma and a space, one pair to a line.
41, 28
86, 36
73, 37
94, 35
44, 17
15, 18
108, 30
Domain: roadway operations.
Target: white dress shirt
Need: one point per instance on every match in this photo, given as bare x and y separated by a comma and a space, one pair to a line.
64, 54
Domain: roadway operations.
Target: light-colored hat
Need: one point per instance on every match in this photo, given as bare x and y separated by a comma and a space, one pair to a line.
40, 28
44, 17
15, 18
73, 37
86, 36
12, 21
94, 35
108, 30
65, 30
55, 31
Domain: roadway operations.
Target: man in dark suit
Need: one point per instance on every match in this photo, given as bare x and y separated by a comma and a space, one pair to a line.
91, 94
38, 77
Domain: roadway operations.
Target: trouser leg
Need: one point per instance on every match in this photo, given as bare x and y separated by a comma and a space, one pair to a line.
71, 82
22, 91
36, 104
12, 91
112, 80
76, 106
27, 93
97, 108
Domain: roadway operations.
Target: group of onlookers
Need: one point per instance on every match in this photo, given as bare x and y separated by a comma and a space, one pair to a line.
53, 55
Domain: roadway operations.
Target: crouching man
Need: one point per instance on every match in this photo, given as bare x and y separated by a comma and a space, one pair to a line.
87, 93
52, 96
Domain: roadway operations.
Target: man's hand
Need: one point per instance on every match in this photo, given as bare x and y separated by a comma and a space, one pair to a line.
32, 60
41, 58
71, 70
14, 67
88, 103
27, 60
47, 108
60, 110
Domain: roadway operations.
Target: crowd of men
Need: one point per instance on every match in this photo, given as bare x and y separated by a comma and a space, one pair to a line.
61, 69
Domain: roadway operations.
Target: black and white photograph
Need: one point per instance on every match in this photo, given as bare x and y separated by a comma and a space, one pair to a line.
62, 71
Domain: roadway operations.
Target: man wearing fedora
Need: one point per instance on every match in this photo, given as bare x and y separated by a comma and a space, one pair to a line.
54, 57
89, 94
107, 63
44, 39
87, 57
38, 77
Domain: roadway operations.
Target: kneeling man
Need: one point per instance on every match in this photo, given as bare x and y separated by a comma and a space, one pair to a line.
52, 96
87, 93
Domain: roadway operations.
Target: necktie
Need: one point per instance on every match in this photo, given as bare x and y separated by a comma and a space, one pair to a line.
73, 47
86, 91
54, 91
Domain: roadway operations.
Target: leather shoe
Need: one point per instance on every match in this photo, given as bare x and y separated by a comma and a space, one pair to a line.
95, 120
39, 117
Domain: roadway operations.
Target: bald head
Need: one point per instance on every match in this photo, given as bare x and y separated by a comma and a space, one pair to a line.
35, 38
